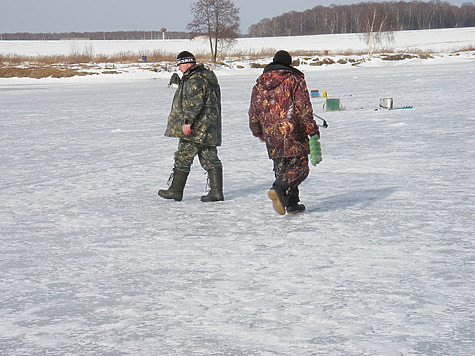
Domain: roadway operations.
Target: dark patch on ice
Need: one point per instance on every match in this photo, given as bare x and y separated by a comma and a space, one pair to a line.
244, 192
20, 87
345, 200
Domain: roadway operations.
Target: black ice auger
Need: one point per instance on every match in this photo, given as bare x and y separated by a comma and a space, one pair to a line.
324, 123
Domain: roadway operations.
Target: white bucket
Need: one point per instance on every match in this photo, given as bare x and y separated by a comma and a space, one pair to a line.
387, 103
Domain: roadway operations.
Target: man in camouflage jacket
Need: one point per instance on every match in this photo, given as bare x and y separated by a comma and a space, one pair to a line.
281, 115
195, 118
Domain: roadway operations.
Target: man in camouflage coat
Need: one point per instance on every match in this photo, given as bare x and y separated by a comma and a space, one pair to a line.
195, 119
281, 115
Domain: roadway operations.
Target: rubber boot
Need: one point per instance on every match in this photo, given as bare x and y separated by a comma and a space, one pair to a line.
293, 206
279, 198
175, 191
215, 176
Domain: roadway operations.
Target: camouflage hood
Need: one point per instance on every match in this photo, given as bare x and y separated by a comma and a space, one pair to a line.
206, 73
281, 112
197, 102
275, 74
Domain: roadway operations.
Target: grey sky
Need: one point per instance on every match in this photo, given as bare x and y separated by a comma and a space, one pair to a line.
124, 15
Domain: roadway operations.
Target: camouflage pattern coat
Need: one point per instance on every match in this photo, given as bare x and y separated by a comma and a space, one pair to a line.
197, 102
281, 112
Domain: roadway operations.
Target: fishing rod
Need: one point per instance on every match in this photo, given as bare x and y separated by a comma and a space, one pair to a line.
324, 125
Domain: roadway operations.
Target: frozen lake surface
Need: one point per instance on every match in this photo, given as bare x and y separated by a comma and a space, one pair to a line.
381, 263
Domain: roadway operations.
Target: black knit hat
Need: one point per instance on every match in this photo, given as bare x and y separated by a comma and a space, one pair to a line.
282, 57
185, 57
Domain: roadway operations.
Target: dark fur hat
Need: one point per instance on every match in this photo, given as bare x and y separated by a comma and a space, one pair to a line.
282, 57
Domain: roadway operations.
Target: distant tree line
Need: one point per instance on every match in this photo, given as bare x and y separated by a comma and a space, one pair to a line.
115, 35
356, 18
397, 16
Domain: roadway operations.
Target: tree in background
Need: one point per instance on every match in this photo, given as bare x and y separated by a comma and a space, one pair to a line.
403, 15
218, 20
376, 26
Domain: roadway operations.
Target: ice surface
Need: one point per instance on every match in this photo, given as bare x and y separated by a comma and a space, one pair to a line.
381, 263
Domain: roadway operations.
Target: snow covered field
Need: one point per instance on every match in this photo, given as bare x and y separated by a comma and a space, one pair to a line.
426, 40
93, 262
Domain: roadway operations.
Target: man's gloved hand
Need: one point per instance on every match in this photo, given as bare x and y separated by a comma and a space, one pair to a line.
315, 150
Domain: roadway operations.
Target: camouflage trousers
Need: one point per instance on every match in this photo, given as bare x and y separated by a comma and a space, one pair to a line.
187, 150
290, 172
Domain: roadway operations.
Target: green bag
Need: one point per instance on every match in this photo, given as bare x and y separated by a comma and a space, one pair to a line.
315, 150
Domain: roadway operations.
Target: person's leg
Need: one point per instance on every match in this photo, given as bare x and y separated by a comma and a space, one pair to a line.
278, 192
185, 155
289, 174
292, 170
183, 160
298, 171
293, 206
209, 160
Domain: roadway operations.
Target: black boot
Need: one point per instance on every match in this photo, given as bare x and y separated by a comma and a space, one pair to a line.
175, 191
279, 198
215, 176
293, 206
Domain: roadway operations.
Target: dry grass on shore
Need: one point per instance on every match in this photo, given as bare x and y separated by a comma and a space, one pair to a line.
81, 64
39, 71
76, 58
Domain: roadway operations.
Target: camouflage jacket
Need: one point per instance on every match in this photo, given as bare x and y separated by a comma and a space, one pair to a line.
197, 101
281, 112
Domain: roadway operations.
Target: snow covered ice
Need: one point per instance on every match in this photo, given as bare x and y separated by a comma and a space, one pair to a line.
381, 262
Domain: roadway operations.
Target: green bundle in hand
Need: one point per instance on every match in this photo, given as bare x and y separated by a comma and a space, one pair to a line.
315, 150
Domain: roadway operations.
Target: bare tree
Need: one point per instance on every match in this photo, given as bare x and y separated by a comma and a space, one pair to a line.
218, 20
376, 27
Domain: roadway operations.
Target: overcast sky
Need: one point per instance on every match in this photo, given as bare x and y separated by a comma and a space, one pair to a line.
125, 15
